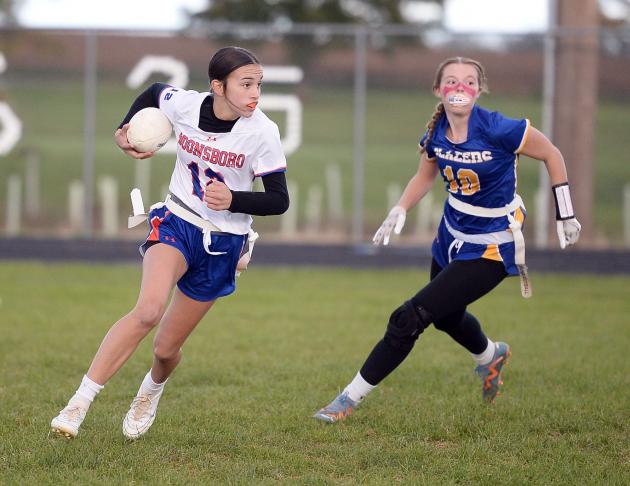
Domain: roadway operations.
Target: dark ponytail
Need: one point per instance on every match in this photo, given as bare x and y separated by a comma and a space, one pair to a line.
228, 59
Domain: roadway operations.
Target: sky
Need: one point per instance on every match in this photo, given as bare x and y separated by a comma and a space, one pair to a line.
494, 16
497, 16
107, 14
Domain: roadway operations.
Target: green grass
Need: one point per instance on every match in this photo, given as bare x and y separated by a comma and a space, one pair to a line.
53, 126
237, 410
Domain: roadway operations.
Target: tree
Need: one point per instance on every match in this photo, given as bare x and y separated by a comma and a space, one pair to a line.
7, 12
614, 13
333, 11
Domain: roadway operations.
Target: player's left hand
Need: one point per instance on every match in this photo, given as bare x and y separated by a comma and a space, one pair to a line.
218, 196
568, 232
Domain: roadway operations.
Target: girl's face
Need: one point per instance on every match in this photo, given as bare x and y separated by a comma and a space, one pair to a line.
239, 95
459, 87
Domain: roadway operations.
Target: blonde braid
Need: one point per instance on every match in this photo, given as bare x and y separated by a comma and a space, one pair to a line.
437, 114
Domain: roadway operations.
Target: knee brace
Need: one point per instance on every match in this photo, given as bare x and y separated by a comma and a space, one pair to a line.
406, 324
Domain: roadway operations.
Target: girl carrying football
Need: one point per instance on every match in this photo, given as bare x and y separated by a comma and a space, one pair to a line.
479, 240
199, 234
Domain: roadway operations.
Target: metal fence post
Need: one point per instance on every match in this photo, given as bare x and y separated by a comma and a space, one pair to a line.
89, 124
360, 90
541, 220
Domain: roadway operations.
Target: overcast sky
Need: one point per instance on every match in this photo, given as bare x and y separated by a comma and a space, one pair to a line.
124, 14
460, 15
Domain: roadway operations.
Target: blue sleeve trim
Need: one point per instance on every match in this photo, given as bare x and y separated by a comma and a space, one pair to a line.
156, 92
280, 169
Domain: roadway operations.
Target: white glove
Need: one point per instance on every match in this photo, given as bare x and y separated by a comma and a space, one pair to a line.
568, 232
395, 220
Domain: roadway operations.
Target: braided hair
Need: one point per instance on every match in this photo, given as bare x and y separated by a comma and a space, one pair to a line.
437, 114
439, 108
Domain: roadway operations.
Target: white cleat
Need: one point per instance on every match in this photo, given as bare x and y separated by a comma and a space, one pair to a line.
140, 416
67, 423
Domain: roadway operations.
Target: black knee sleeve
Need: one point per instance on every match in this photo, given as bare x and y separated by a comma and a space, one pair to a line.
406, 324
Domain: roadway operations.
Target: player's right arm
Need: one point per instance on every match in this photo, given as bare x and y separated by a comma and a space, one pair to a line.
417, 187
150, 97
420, 184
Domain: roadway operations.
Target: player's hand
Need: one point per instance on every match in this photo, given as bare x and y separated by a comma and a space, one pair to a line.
120, 136
218, 195
568, 232
395, 220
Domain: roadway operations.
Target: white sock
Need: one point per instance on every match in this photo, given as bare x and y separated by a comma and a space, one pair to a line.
485, 357
150, 387
358, 388
86, 393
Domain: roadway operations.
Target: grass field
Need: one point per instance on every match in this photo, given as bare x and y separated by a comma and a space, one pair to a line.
237, 410
394, 120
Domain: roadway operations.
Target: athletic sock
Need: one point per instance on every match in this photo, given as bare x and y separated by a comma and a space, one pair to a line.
150, 387
485, 357
358, 388
86, 393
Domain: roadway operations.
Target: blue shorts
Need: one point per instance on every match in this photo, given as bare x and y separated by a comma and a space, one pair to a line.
209, 276
446, 249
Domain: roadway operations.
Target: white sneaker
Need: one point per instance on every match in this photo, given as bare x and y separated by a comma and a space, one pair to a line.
67, 423
140, 416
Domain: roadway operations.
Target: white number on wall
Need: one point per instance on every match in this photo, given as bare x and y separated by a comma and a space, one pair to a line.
11, 125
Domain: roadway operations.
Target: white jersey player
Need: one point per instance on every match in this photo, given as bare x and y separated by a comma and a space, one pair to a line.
196, 237
250, 149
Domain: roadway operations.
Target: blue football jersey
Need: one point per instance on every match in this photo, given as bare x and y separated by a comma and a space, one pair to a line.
482, 171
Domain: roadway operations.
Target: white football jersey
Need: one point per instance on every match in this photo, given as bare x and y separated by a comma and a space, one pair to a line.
252, 148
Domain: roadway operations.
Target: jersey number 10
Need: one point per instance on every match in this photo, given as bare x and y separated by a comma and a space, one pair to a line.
467, 181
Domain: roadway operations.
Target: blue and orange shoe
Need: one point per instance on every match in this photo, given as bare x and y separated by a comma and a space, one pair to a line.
490, 373
339, 409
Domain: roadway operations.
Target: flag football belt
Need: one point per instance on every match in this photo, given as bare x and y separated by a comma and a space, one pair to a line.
514, 234
175, 206
179, 209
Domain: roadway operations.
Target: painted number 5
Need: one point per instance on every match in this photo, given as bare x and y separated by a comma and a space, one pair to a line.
467, 181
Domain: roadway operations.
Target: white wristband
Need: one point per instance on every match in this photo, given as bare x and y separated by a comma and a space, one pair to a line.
564, 206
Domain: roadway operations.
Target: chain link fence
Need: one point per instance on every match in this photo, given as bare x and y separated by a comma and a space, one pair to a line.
350, 102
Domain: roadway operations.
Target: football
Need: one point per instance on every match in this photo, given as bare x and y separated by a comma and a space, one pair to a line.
149, 130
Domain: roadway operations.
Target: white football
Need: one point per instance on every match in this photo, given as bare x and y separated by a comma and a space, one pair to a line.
149, 130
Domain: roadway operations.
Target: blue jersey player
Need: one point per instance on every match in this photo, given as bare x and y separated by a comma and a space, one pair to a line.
479, 240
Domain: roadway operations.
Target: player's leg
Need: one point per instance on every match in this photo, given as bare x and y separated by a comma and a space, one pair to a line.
466, 330
451, 289
489, 356
405, 325
181, 317
162, 266
459, 284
